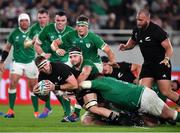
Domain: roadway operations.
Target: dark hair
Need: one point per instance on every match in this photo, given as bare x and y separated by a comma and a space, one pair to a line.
104, 59
42, 10
61, 13
39, 59
82, 18
75, 49
177, 82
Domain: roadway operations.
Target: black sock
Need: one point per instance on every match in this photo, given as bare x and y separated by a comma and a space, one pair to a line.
113, 117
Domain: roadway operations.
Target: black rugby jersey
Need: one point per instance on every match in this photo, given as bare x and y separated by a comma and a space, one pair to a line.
123, 72
149, 41
60, 72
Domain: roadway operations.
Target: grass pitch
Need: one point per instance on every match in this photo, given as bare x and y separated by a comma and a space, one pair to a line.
24, 121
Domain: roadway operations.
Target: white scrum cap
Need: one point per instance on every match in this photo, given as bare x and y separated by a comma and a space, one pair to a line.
23, 16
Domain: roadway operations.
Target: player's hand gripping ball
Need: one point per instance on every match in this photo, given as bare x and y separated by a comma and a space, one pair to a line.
42, 88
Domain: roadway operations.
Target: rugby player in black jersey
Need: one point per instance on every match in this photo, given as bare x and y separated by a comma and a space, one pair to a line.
156, 50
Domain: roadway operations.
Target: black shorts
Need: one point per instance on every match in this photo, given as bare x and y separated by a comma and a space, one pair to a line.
156, 71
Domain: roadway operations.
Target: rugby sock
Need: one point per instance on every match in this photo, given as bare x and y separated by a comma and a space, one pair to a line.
177, 115
65, 104
113, 117
12, 98
48, 104
34, 100
77, 109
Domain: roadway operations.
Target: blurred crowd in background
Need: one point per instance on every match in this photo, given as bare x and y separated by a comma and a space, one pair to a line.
103, 14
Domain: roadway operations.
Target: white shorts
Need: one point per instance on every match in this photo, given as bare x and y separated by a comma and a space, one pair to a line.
29, 69
151, 103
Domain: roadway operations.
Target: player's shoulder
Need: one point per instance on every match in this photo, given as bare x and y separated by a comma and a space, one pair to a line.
88, 62
16, 29
157, 29
49, 26
35, 24
91, 34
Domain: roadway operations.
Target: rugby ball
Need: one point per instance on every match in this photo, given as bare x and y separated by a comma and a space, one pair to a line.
42, 87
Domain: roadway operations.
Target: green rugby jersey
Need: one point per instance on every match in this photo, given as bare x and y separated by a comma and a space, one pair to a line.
89, 44
50, 33
91, 64
20, 54
125, 94
34, 31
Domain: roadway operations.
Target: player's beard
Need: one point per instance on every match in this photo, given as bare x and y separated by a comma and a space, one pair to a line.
77, 65
143, 27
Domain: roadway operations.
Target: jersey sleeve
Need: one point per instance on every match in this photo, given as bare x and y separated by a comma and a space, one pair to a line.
42, 36
160, 35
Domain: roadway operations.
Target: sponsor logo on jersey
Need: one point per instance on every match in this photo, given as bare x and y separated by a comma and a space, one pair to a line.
59, 78
60, 36
88, 45
52, 38
120, 75
148, 39
164, 76
24, 36
17, 38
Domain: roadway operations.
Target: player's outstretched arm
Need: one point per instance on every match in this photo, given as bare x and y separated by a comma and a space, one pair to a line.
129, 45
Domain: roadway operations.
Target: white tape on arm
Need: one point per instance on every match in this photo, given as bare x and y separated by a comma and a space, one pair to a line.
86, 84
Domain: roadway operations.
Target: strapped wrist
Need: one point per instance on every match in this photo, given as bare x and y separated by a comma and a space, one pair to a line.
4, 55
167, 58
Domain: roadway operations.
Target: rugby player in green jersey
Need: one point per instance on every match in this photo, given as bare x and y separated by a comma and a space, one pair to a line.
87, 41
51, 32
131, 97
35, 29
23, 61
42, 45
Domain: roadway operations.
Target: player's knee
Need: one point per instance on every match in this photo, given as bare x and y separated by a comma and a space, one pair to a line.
87, 120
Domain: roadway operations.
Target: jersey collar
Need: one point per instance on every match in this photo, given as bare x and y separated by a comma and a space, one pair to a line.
83, 36
23, 31
58, 30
